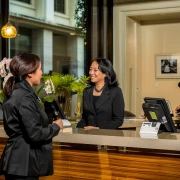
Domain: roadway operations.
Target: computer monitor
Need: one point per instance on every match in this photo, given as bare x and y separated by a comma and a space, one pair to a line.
53, 111
156, 110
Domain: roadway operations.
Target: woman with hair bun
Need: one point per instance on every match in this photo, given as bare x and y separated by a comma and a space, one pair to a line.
103, 102
28, 152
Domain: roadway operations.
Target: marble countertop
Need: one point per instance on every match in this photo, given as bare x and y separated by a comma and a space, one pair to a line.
123, 138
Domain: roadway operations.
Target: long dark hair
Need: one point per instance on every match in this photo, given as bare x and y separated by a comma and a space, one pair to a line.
20, 66
105, 66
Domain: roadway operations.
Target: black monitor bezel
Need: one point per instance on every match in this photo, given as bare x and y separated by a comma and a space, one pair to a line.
165, 108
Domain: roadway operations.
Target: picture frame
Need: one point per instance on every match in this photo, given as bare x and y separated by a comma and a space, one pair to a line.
167, 66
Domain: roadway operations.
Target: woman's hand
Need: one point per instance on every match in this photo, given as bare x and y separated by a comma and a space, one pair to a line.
90, 127
59, 123
177, 110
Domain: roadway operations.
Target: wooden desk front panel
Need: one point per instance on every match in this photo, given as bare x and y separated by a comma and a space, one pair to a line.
83, 162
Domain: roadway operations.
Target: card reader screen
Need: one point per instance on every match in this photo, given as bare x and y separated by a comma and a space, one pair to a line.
153, 115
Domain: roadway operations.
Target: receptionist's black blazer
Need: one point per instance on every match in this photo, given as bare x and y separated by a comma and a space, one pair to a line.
108, 112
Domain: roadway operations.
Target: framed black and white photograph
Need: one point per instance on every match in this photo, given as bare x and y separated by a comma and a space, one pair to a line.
167, 66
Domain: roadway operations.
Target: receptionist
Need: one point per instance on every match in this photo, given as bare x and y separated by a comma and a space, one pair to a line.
103, 102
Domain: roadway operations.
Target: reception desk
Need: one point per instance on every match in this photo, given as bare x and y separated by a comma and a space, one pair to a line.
114, 154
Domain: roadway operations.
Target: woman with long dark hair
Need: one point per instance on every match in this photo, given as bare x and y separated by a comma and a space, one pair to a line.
103, 102
28, 152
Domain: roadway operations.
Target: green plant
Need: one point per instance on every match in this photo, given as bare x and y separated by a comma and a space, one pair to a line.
60, 82
79, 85
66, 82
80, 16
2, 96
59, 85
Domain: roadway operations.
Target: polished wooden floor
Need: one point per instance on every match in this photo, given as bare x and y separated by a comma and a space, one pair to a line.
83, 162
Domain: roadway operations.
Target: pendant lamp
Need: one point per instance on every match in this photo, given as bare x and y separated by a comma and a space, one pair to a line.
8, 31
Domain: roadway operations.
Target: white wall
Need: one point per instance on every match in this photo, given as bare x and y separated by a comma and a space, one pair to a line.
135, 47
22, 8
44, 9
68, 17
159, 39
133, 93
130, 63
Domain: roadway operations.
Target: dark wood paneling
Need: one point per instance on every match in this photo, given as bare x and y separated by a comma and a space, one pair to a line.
110, 30
4, 19
100, 28
87, 162
100, 41
88, 49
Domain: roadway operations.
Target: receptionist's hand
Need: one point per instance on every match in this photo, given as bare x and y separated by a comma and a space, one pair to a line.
177, 110
90, 127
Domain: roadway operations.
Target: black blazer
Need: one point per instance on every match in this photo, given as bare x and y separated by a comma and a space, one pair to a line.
28, 151
108, 112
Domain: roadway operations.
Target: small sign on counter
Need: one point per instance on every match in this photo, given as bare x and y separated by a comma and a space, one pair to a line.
150, 128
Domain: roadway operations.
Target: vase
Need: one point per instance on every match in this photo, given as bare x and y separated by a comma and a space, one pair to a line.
65, 98
79, 107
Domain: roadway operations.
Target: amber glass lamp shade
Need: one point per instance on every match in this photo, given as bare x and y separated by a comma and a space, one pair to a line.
80, 27
8, 31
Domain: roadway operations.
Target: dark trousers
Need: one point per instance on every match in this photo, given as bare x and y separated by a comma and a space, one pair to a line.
14, 177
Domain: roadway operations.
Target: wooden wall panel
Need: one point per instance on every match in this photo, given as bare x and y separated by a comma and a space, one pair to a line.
83, 162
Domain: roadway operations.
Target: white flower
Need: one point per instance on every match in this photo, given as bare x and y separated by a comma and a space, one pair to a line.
49, 87
4, 70
4, 67
6, 78
7, 62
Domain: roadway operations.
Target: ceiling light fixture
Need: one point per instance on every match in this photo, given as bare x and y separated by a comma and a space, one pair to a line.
72, 33
8, 31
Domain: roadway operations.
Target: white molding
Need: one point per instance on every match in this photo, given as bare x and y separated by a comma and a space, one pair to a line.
66, 14
119, 62
150, 12
67, 7
61, 15
25, 5
32, 2
149, 6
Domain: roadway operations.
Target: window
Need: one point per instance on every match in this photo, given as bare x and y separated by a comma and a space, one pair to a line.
22, 43
25, 1
59, 6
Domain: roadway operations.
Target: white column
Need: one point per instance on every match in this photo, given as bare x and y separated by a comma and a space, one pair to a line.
48, 51
45, 10
75, 49
42, 45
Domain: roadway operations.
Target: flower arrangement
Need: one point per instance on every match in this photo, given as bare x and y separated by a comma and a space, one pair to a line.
49, 86
62, 87
4, 70
54, 85
5, 74
4, 67
58, 83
